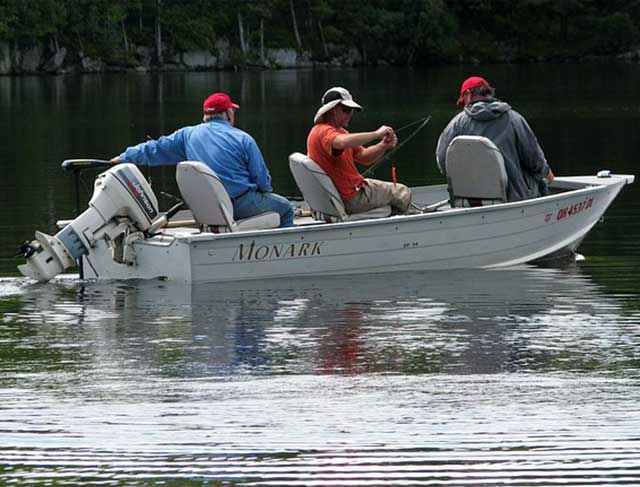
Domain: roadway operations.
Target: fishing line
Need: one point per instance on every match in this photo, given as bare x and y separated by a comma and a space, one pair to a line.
411, 124
386, 157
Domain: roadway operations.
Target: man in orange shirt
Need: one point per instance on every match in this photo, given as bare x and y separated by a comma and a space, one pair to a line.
336, 150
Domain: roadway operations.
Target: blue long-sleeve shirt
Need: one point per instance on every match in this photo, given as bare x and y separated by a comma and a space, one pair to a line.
231, 153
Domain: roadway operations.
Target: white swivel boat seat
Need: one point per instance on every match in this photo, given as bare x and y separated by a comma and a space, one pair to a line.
210, 203
321, 194
475, 172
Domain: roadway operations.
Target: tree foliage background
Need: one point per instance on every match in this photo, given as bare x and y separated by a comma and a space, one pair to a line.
395, 31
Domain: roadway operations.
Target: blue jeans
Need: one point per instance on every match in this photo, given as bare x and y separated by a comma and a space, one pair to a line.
254, 202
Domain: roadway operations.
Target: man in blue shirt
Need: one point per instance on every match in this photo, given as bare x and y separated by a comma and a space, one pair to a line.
231, 153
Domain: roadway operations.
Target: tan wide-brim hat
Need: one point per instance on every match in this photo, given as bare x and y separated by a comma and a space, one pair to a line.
333, 97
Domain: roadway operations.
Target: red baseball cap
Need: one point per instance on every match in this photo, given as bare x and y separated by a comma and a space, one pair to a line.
470, 83
218, 102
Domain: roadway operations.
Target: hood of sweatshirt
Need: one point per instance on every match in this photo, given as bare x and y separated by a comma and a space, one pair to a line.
489, 109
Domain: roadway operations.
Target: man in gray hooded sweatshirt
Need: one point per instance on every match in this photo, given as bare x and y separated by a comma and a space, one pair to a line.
527, 170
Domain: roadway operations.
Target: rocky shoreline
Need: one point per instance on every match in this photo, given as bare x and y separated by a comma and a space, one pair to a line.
53, 59
50, 59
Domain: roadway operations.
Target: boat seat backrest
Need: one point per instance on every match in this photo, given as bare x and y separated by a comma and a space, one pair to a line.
320, 193
316, 186
476, 175
210, 203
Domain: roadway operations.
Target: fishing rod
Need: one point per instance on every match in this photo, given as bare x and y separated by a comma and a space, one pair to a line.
386, 157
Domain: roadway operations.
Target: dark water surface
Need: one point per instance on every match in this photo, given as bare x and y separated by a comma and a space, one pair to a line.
523, 377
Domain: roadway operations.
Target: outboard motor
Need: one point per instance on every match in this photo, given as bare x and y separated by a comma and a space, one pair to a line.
122, 203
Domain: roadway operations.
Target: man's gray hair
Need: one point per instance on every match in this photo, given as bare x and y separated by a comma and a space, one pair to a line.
211, 116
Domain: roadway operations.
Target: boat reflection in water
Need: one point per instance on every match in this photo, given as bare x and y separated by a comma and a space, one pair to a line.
490, 377
460, 321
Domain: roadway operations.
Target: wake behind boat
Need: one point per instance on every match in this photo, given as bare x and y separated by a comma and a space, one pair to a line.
123, 235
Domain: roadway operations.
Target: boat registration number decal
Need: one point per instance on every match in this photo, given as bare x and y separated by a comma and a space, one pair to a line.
253, 252
574, 209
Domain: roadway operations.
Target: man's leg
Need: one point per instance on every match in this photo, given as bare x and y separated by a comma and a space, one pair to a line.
380, 193
254, 202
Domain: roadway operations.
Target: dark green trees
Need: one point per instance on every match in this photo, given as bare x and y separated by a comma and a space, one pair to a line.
122, 32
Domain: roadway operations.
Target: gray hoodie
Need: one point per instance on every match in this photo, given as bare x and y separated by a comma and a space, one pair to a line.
524, 160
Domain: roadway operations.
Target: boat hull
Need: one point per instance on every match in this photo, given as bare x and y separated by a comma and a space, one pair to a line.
491, 236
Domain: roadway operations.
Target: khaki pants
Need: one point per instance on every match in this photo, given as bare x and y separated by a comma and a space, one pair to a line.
378, 193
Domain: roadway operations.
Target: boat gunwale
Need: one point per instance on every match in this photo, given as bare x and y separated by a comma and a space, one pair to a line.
394, 219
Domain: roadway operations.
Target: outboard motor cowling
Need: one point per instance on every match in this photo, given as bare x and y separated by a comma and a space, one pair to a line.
122, 201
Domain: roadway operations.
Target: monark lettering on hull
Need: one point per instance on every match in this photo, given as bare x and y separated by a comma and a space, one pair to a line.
280, 251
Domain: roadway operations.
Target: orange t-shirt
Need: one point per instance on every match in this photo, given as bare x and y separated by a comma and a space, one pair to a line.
339, 165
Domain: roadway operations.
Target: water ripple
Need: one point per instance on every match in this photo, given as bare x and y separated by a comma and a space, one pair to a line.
524, 377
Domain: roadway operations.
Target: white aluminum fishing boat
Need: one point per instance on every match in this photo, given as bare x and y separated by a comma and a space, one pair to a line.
466, 223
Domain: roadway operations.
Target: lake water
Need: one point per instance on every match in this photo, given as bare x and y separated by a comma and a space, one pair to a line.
525, 377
